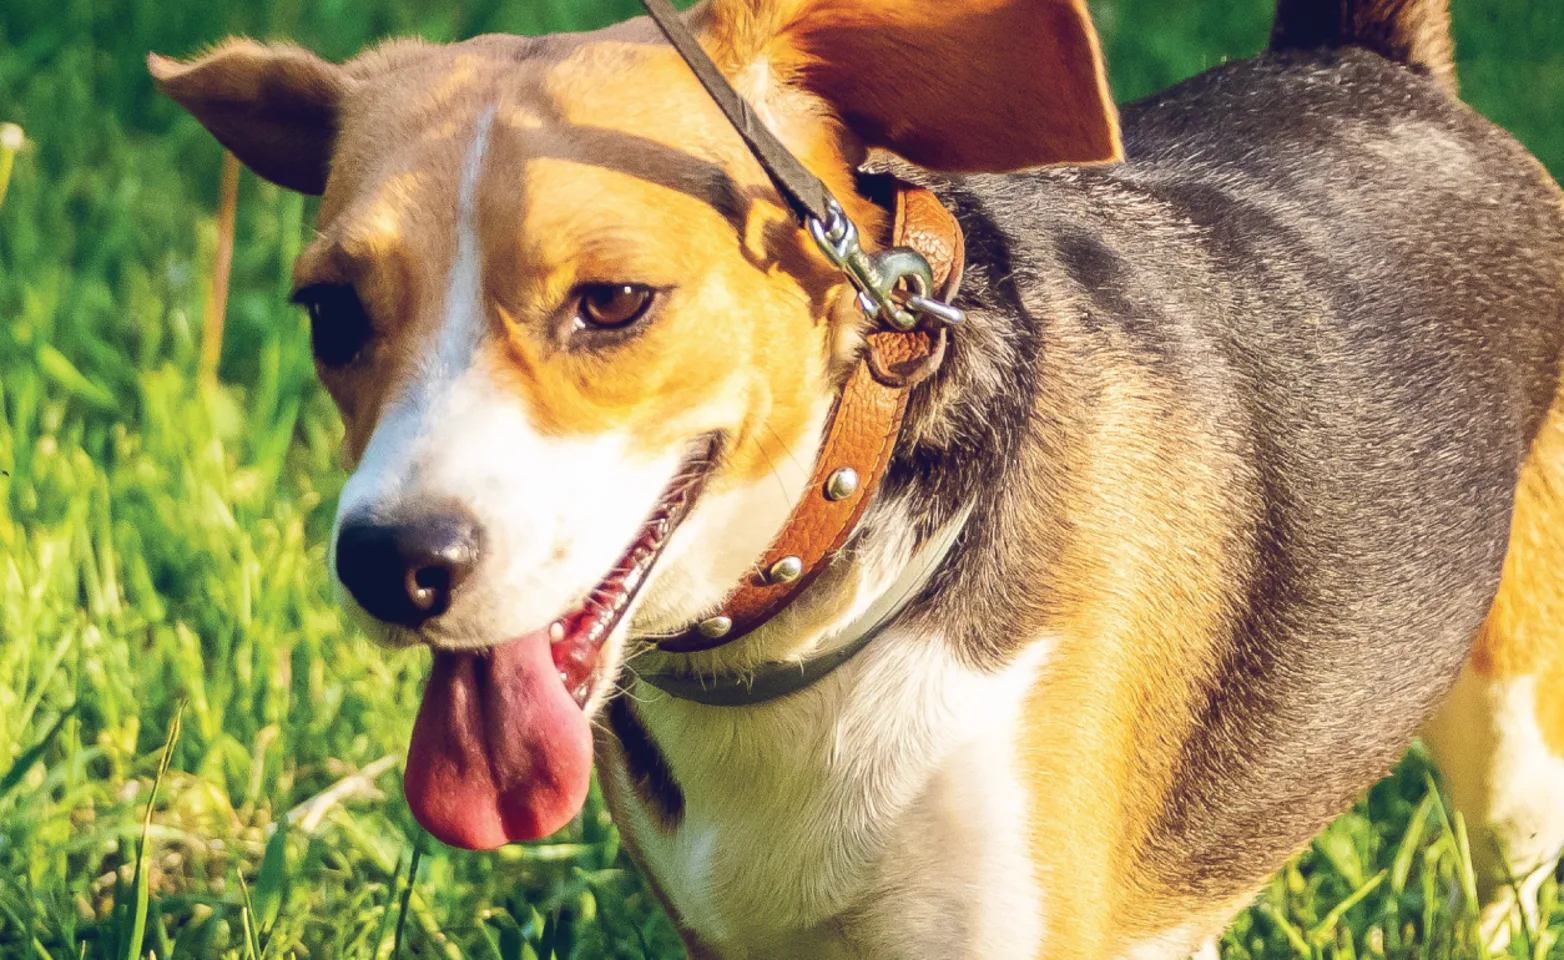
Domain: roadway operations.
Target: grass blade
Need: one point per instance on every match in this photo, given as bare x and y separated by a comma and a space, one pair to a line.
379, 947
138, 919
272, 879
1402, 865
1469, 883
11, 140
1325, 930
1523, 922
20, 924
65, 374
25, 761
407, 895
252, 946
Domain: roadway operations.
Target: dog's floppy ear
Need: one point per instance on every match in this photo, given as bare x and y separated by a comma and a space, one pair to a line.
274, 106
953, 85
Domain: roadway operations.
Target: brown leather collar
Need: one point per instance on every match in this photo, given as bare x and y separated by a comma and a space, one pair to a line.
859, 439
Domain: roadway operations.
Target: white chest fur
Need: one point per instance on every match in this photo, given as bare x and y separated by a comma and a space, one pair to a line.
872, 815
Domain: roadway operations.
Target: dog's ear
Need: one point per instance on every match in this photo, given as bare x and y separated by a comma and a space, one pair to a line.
276, 107
953, 85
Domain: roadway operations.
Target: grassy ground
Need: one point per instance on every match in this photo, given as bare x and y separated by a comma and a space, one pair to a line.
161, 544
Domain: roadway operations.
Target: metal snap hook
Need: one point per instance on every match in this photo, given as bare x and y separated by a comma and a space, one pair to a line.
895, 286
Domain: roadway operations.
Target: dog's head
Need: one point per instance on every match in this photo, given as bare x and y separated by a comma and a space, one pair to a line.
553, 296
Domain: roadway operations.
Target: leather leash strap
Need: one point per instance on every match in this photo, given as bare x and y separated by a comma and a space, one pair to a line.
859, 439
803, 191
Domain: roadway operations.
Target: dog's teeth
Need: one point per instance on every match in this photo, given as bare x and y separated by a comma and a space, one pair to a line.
556, 631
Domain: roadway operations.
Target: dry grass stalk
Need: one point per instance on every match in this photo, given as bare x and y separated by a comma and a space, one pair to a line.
222, 266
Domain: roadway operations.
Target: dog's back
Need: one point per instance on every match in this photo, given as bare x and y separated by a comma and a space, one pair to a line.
1337, 295
1500, 735
1408, 348
1392, 358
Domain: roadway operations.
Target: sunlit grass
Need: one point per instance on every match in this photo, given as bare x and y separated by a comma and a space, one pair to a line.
162, 544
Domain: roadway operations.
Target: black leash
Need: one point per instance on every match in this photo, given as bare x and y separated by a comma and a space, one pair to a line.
879, 278
803, 191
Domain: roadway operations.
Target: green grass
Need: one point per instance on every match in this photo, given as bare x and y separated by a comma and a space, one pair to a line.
162, 553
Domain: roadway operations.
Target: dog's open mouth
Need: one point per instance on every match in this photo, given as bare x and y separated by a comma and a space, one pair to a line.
502, 750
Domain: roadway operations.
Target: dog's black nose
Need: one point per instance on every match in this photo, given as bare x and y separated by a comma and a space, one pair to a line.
404, 572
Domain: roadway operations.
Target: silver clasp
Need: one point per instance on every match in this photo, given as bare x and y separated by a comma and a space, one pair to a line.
878, 276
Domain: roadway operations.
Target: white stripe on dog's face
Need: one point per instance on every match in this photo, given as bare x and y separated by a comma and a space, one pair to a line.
463, 325
478, 401
553, 515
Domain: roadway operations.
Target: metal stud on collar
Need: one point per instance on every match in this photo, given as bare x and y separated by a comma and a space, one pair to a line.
715, 627
841, 484
785, 570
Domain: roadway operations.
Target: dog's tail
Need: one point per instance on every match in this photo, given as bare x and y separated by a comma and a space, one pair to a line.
1413, 32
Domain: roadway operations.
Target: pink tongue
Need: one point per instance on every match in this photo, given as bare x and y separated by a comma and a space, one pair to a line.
500, 751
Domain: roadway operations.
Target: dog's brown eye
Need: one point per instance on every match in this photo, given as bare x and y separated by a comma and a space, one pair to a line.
339, 325
611, 306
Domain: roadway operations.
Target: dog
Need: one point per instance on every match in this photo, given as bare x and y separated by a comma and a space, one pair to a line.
1249, 450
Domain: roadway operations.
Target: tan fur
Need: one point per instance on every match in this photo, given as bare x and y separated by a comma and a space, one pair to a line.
557, 210
271, 105
1104, 726
1524, 635
1414, 31
957, 89
706, 364
582, 221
